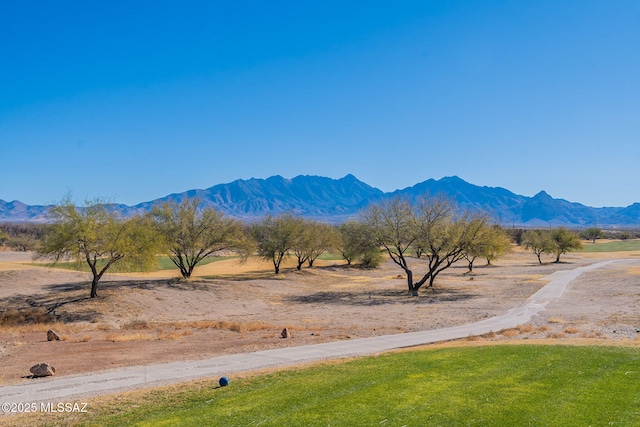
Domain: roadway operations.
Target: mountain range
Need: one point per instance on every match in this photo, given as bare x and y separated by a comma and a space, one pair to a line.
336, 200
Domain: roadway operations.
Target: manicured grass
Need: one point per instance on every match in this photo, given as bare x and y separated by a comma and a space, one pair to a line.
616, 246
164, 263
504, 385
331, 256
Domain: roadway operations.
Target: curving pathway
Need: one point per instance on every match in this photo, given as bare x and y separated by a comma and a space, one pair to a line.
65, 389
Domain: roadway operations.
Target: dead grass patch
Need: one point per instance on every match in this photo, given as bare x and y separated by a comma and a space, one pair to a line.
174, 335
556, 320
25, 316
510, 333
138, 336
84, 338
571, 330
556, 335
136, 325
221, 324
524, 329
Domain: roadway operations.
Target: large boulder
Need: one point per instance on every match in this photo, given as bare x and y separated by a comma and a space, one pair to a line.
42, 370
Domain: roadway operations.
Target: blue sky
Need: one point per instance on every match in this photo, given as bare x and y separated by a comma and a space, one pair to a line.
131, 101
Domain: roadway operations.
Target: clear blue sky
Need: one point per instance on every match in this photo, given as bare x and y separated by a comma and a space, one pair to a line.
131, 100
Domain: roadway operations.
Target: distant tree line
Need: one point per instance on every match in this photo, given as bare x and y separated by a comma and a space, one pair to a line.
21, 237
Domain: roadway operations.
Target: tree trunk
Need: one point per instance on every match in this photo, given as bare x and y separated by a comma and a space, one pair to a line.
470, 266
539, 260
410, 281
94, 287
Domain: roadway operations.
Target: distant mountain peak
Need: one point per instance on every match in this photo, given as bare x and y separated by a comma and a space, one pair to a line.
542, 194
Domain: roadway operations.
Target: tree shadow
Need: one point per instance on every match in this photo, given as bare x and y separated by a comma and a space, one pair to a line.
381, 297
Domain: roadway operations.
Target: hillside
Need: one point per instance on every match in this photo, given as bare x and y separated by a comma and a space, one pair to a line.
336, 200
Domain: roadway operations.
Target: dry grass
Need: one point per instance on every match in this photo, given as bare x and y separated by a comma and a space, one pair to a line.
138, 336
173, 335
556, 335
556, 320
510, 333
136, 324
524, 329
589, 335
571, 330
220, 324
489, 335
84, 338
25, 316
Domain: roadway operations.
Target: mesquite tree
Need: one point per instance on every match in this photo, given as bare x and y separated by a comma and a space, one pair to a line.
94, 234
432, 225
193, 233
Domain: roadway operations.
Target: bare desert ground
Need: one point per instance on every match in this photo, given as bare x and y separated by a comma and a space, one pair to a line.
231, 307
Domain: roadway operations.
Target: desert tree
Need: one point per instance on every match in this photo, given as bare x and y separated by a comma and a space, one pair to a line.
563, 241
311, 240
593, 233
302, 240
538, 242
500, 243
193, 232
274, 236
432, 224
490, 242
96, 235
446, 235
323, 238
356, 241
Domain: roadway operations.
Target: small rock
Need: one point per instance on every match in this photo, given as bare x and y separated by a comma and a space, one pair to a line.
42, 370
52, 335
285, 333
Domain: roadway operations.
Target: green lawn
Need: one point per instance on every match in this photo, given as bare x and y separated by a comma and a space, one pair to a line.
616, 246
331, 256
164, 263
519, 385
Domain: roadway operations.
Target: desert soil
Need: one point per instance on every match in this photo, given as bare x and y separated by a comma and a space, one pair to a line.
230, 308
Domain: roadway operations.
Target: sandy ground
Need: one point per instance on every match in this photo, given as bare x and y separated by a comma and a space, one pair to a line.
231, 308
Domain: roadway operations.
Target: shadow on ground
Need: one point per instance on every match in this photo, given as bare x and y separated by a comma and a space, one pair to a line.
382, 297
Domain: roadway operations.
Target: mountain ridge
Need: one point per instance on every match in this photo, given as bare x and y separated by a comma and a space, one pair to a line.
336, 200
